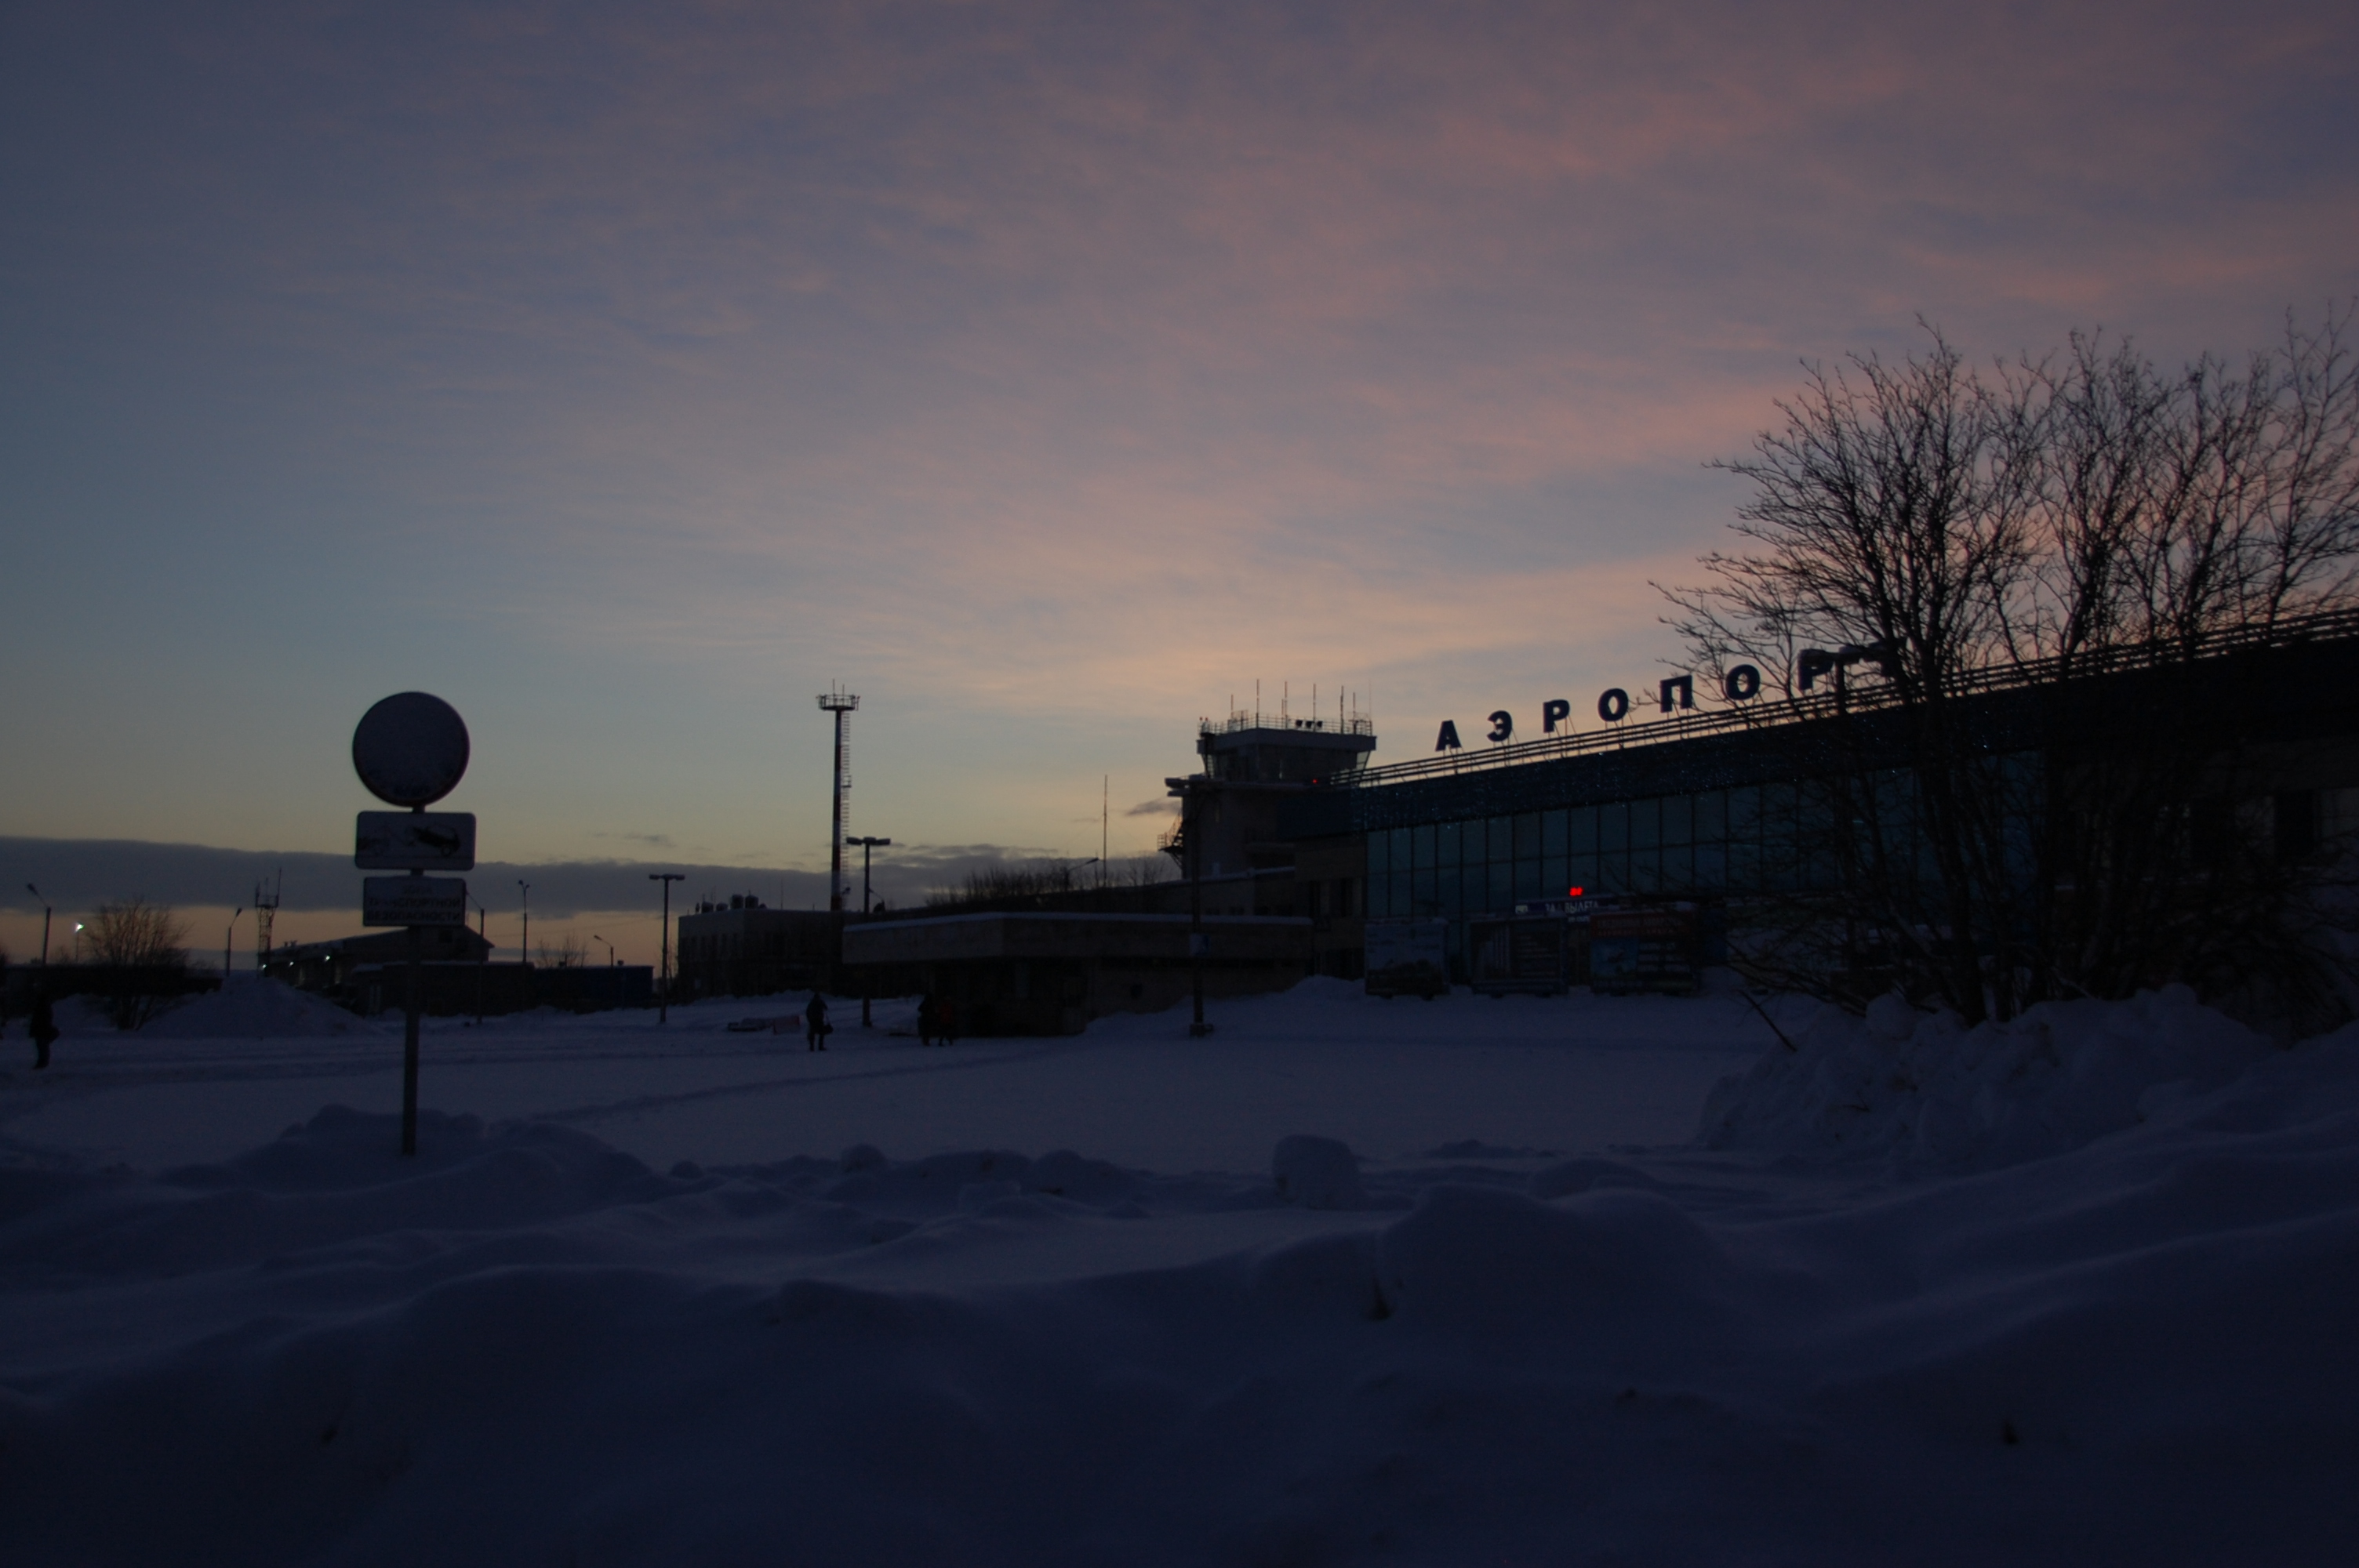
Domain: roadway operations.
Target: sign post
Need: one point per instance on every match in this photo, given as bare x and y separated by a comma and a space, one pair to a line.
410, 750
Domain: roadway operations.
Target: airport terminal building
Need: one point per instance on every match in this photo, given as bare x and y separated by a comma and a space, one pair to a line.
1697, 810
1719, 805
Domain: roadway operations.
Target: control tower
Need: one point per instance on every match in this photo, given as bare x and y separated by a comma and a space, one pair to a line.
1253, 760
1248, 748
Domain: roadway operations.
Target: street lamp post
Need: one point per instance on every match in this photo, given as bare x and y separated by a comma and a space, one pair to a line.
867, 906
663, 942
45, 924
524, 950
1191, 791
482, 926
610, 949
226, 938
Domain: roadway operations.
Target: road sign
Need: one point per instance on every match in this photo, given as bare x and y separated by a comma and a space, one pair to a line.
414, 841
411, 749
413, 900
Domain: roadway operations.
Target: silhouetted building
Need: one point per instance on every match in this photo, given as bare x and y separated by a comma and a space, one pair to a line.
1711, 808
1051, 973
1255, 764
326, 968
744, 948
370, 975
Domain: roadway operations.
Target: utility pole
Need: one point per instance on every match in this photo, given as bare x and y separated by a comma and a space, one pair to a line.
867, 902
1191, 791
524, 950
45, 924
266, 912
483, 928
663, 942
1197, 943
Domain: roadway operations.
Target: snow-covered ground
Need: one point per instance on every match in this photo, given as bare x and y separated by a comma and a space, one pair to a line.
1392, 1079
1350, 1281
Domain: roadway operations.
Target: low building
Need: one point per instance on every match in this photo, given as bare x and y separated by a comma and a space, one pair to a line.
370, 975
453, 991
326, 968
593, 988
743, 947
445, 990
1052, 972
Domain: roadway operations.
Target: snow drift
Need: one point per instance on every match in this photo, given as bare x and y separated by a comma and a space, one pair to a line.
529, 1345
1922, 1090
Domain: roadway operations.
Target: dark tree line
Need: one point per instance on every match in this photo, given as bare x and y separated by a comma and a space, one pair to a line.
1016, 880
1947, 531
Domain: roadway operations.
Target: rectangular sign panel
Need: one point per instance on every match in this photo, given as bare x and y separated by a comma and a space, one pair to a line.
413, 900
414, 841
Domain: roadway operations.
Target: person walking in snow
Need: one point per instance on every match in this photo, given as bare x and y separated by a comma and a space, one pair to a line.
946, 1021
43, 1027
815, 1026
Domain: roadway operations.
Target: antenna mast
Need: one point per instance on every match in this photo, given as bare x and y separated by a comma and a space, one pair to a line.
265, 907
841, 703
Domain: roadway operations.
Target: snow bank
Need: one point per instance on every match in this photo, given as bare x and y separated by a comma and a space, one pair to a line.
527, 1345
253, 1008
524, 1346
1923, 1090
1317, 1172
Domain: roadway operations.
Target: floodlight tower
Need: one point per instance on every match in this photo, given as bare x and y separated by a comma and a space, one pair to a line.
839, 702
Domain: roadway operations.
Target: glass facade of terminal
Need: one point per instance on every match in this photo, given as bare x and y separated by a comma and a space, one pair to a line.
1704, 843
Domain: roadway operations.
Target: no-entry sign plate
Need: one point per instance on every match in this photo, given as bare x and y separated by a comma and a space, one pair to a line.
414, 841
413, 900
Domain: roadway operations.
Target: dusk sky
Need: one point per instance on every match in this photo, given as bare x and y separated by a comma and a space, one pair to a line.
1045, 373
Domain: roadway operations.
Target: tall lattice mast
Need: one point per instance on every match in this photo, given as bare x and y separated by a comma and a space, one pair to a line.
266, 909
841, 703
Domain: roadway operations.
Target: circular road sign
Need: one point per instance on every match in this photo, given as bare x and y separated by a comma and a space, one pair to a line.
410, 749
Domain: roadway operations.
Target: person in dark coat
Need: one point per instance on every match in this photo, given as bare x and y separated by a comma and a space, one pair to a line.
815, 1026
946, 1021
44, 1029
927, 1014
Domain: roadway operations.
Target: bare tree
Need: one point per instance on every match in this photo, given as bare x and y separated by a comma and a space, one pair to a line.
1008, 879
1141, 870
2082, 513
141, 945
1022, 880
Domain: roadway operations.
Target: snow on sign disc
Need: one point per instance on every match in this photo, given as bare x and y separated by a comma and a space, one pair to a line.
410, 749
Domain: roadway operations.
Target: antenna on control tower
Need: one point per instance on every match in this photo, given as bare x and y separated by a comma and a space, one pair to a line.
839, 702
